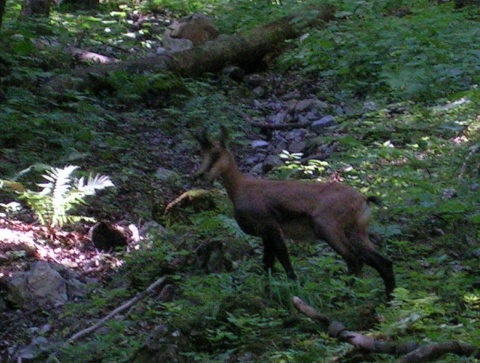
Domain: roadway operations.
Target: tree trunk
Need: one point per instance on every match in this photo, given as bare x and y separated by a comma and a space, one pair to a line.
33, 8
2, 11
81, 4
245, 49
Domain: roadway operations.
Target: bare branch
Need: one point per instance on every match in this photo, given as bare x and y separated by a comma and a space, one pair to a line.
430, 352
121, 308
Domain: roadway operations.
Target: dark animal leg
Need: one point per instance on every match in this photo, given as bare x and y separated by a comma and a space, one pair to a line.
335, 237
268, 256
274, 243
368, 254
383, 266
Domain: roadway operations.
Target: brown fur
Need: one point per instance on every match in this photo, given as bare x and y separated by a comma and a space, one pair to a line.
299, 210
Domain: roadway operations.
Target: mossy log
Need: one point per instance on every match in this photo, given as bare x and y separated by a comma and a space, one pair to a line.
242, 49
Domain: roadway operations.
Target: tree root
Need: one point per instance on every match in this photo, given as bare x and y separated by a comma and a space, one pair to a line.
413, 352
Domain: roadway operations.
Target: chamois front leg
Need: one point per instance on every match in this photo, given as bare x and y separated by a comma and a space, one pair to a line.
274, 247
268, 256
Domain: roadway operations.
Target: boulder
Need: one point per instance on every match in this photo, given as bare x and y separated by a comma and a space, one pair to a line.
40, 287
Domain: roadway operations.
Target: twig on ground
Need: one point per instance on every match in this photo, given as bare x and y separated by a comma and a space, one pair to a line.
121, 308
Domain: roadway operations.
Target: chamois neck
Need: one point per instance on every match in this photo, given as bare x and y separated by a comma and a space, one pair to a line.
232, 177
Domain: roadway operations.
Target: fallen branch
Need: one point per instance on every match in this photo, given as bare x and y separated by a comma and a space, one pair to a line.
414, 353
121, 308
90, 57
190, 196
430, 352
244, 49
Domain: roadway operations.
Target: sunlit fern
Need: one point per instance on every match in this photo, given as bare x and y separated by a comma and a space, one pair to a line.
61, 193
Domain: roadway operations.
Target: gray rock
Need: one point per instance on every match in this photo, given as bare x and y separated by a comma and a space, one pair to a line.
40, 287
257, 169
320, 125
339, 111
296, 146
291, 96
271, 162
259, 91
280, 117
310, 104
369, 106
152, 227
165, 174
254, 80
76, 289
259, 143
173, 45
34, 349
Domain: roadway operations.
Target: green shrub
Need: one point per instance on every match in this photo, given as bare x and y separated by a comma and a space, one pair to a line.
429, 53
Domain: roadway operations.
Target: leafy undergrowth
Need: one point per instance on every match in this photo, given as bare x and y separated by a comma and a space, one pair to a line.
422, 158
427, 176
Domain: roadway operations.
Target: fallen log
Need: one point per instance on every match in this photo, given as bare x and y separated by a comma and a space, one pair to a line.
242, 49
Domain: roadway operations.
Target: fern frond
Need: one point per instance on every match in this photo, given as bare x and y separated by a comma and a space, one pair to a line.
94, 183
61, 193
62, 185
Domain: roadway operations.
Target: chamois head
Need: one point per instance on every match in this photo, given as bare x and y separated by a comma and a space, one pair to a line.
216, 158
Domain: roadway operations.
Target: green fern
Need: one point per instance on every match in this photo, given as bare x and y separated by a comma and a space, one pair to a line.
61, 193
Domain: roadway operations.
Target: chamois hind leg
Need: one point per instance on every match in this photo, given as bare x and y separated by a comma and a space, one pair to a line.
274, 247
337, 239
371, 257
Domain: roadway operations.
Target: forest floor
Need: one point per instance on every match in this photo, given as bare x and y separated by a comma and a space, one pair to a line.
421, 159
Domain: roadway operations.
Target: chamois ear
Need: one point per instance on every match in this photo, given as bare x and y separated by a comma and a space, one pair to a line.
224, 136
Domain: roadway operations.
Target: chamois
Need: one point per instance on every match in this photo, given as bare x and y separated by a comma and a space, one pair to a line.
300, 210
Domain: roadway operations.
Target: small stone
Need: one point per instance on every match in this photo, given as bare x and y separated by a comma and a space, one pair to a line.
259, 91
259, 143
271, 162
310, 104
152, 227
369, 106
254, 80
176, 45
165, 174
320, 125
291, 96
296, 146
